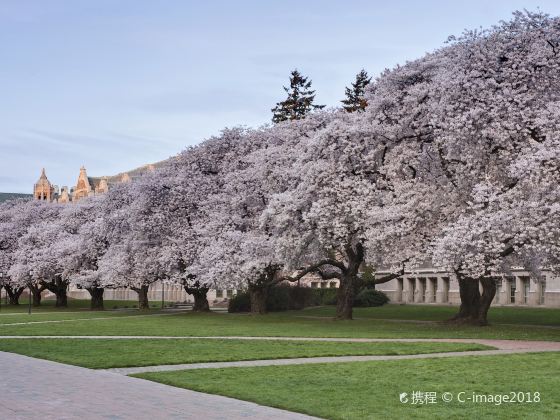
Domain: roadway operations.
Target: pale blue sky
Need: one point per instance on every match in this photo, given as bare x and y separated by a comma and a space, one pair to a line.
114, 84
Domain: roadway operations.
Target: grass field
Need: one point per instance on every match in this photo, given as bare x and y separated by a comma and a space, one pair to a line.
47, 305
497, 315
370, 390
99, 353
338, 390
307, 323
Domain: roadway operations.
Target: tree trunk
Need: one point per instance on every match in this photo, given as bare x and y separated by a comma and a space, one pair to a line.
142, 291
348, 282
96, 298
345, 297
61, 299
200, 299
470, 300
258, 297
474, 306
14, 294
488, 294
36, 292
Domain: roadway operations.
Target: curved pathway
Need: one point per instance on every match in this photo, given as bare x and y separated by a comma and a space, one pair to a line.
502, 347
40, 389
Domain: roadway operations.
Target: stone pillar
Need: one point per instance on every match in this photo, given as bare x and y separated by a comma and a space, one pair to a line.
518, 290
418, 291
431, 286
409, 289
533, 298
441, 293
399, 290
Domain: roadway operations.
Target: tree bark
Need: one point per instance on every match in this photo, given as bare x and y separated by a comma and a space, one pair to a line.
96, 298
470, 300
258, 295
61, 299
36, 292
59, 288
345, 297
142, 291
14, 294
488, 294
474, 306
348, 282
200, 299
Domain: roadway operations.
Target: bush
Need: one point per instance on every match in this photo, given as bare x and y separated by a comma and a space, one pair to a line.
320, 297
370, 297
278, 299
241, 302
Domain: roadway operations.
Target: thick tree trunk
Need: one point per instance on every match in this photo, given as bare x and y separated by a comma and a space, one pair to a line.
96, 298
345, 297
258, 297
349, 281
488, 294
14, 294
142, 291
36, 292
474, 306
200, 299
61, 299
470, 300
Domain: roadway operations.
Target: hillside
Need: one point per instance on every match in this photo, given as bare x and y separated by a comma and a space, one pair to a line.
8, 196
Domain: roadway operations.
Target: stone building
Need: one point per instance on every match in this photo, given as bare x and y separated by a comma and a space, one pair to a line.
86, 186
429, 285
43, 189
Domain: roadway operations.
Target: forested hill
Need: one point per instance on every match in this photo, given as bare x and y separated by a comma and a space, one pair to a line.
8, 196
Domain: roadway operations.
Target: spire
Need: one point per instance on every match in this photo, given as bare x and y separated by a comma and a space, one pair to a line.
43, 178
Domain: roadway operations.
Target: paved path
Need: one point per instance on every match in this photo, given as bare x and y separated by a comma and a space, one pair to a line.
40, 389
502, 347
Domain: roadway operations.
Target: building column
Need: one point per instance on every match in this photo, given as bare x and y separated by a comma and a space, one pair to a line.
418, 291
518, 290
441, 293
430, 289
399, 290
409, 289
533, 298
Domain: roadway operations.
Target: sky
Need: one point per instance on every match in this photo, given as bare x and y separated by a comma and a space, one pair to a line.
113, 85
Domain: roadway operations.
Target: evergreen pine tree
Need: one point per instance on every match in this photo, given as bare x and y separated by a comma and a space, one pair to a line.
299, 102
355, 100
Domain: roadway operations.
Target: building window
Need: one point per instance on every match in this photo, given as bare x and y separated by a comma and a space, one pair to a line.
543, 290
423, 286
512, 291
219, 293
332, 285
314, 284
498, 283
525, 290
229, 293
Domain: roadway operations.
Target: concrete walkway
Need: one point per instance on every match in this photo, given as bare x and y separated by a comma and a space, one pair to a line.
501, 347
40, 389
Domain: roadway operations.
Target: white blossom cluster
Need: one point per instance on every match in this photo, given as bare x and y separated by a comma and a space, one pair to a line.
455, 163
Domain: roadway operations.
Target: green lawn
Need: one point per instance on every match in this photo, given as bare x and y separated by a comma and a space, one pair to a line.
371, 390
497, 315
47, 306
98, 353
293, 323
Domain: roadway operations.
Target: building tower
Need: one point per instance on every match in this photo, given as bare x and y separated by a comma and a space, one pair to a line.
83, 187
43, 189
